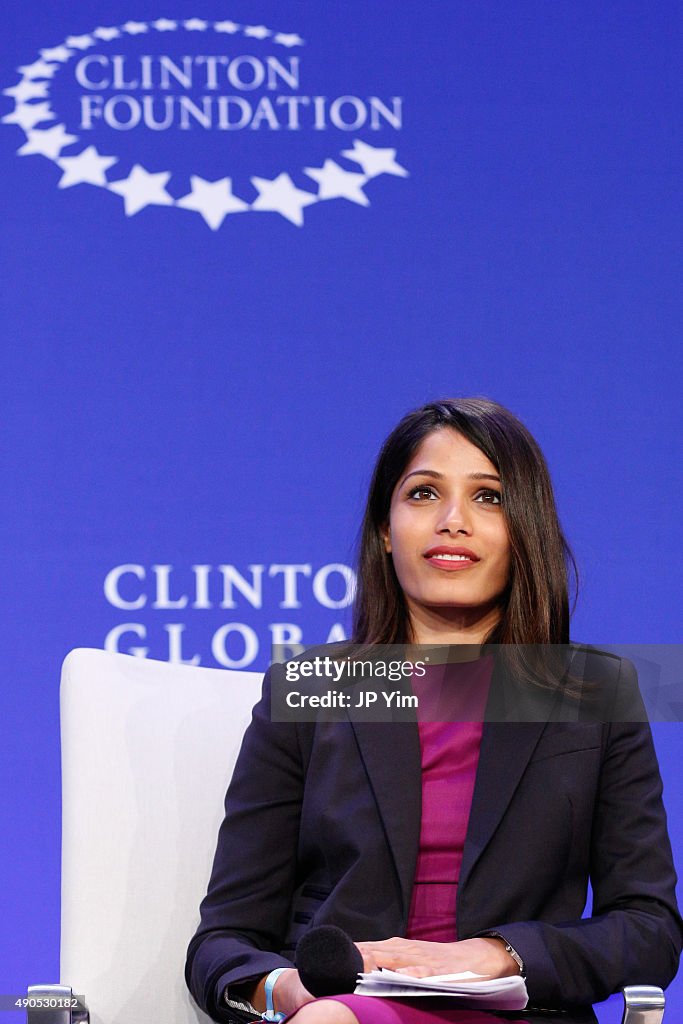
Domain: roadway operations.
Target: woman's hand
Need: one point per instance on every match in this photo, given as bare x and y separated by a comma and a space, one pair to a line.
289, 993
419, 959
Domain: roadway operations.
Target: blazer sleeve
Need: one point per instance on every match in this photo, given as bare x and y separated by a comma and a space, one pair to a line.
239, 935
635, 933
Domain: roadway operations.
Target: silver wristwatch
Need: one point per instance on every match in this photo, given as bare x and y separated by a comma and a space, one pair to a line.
515, 956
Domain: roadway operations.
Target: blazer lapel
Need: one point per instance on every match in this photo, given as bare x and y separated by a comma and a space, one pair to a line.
390, 751
513, 727
391, 755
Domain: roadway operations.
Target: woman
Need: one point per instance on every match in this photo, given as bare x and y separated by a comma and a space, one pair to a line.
446, 846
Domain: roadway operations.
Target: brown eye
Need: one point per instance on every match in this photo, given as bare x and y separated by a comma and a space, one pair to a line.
489, 497
422, 493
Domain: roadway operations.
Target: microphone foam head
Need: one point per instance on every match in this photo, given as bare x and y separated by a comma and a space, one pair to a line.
328, 961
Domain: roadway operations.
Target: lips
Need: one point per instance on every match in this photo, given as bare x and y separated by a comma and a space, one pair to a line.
451, 558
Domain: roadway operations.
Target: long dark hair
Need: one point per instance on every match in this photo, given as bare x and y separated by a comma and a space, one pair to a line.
535, 606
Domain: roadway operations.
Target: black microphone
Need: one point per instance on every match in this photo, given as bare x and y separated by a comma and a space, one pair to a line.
328, 961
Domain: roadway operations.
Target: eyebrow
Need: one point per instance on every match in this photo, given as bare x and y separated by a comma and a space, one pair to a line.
439, 476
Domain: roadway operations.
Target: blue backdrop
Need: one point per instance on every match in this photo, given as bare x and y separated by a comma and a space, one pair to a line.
240, 242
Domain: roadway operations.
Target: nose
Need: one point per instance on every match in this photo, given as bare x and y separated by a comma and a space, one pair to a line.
454, 519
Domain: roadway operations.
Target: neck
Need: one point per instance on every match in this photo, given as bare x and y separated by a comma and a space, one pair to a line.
452, 626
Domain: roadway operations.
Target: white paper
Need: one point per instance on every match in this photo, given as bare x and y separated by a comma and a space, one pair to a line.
491, 993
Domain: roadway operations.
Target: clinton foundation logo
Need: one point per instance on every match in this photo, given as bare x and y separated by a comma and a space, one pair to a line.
210, 118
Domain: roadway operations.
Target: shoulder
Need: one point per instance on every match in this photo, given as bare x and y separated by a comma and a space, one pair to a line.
610, 691
589, 658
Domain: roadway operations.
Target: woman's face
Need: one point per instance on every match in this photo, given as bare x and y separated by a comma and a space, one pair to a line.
447, 533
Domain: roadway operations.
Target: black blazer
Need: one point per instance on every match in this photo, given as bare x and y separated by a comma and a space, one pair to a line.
322, 826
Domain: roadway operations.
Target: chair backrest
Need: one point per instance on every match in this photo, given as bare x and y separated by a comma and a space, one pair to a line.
148, 749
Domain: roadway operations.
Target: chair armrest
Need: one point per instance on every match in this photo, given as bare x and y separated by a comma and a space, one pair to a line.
55, 1004
643, 1004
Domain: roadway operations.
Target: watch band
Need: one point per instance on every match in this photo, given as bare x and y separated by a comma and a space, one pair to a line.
510, 950
515, 956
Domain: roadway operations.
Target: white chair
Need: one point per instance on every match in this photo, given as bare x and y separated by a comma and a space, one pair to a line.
148, 749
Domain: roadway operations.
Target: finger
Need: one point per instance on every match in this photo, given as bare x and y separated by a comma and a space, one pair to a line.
415, 972
393, 960
394, 943
369, 961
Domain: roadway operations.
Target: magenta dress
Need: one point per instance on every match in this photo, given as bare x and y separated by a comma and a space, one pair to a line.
451, 710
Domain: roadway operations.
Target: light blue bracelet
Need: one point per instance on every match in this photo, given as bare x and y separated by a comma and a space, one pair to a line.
270, 1013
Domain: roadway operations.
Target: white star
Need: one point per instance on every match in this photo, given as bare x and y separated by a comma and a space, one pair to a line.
27, 90
28, 115
39, 69
164, 25
49, 142
288, 39
282, 196
79, 42
213, 199
60, 53
88, 167
106, 33
225, 26
134, 28
336, 183
142, 189
373, 160
195, 25
257, 31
